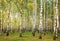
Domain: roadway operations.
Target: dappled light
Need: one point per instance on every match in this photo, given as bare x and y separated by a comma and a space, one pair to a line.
29, 20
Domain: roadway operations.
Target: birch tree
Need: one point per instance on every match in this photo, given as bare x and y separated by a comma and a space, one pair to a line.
21, 24
19, 4
8, 26
34, 17
1, 22
40, 25
56, 20
44, 17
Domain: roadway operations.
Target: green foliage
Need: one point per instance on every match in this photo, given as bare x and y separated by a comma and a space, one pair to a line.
27, 7
30, 6
49, 22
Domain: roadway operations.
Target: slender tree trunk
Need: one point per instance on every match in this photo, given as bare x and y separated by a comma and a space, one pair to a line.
8, 26
40, 25
34, 17
44, 18
57, 17
47, 17
51, 16
1, 24
21, 22
24, 20
56, 20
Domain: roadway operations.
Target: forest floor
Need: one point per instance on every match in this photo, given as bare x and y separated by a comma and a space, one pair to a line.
27, 36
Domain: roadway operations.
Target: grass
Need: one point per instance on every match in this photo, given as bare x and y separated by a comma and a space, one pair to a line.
27, 36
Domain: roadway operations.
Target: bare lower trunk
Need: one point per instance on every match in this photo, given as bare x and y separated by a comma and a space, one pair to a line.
20, 25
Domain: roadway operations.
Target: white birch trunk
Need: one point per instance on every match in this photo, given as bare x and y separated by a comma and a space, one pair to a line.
56, 20
8, 25
40, 25
57, 17
24, 20
44, 17
34, 16
21, 23
47, 16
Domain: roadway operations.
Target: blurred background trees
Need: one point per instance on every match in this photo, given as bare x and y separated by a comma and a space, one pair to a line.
16, 15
